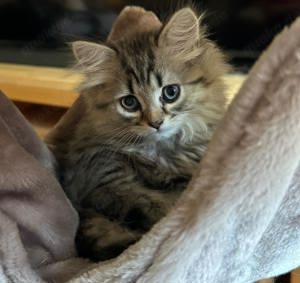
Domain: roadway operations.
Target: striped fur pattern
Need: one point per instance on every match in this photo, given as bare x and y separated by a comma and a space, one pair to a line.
121, 173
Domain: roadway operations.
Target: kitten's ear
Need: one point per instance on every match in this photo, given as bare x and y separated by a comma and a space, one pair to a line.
98, 62
181, 33
131, 21
90, 56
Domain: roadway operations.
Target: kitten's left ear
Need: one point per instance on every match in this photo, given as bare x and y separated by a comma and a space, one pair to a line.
181, 33
98, 62
91, 55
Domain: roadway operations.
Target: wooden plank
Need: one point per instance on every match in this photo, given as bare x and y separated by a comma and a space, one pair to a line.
56, 86
295, 276
41, 85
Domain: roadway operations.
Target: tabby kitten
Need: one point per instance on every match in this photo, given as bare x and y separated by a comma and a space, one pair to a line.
128, 147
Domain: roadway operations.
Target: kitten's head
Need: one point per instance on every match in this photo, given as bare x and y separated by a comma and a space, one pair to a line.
163, 84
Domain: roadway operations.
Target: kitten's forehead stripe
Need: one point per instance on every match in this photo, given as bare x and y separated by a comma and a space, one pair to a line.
130, 71
150, 70
159, 79
151, 64
130, 86
138, 60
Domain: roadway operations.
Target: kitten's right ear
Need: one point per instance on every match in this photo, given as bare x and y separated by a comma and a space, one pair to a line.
181, 34
91, 56
98, 62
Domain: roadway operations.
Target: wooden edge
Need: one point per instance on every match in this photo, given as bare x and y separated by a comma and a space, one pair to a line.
40, 85
57, 86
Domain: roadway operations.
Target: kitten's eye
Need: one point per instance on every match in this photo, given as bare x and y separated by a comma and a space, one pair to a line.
130, 103
170, 93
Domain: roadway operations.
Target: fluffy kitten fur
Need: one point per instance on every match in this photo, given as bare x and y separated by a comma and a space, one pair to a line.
121, 173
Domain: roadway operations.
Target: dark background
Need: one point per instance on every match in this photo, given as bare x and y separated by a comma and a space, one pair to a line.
36, 31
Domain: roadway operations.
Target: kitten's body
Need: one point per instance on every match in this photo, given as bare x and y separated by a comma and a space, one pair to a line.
123, 170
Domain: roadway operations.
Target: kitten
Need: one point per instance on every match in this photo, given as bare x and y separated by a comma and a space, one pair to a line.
129, 145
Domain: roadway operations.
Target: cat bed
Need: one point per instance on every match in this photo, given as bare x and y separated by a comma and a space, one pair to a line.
237, 222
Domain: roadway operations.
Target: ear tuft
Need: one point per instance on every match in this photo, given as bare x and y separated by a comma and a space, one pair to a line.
181, 33
96, 61
90, 55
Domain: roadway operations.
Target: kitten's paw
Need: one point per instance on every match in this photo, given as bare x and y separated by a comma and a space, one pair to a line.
99, 238
100, 251
137, 219
144, 215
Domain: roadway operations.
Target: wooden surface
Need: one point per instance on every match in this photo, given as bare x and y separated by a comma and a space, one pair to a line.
41, 85
56, 86
295, 277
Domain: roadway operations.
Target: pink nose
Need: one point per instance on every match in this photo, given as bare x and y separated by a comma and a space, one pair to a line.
155, 124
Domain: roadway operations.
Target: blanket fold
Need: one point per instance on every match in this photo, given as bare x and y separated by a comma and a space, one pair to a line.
37, 222
237, 222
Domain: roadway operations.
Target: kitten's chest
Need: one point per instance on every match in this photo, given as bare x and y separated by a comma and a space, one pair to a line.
154, 175
93, 170
167, 162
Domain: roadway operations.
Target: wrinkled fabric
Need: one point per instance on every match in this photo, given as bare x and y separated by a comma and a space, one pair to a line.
37, 222
237, 222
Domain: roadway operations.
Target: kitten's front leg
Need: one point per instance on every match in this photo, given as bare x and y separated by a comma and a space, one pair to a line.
133, 205
145, 212
148, 207
99, 238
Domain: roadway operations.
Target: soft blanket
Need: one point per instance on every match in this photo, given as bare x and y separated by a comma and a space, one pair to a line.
237, 222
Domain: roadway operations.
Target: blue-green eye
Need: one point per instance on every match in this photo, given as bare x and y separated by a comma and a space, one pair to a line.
170, 93
130, 103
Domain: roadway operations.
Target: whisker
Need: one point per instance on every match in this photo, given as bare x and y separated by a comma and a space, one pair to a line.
126, 138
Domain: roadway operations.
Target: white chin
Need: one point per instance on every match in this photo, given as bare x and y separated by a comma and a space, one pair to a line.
164, 133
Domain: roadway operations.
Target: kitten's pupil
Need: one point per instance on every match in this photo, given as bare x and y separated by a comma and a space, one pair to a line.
170, 93
130, 103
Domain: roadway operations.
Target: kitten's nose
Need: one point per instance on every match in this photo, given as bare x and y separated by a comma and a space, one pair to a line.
156, 124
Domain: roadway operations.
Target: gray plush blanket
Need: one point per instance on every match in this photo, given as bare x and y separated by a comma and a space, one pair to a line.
238, 221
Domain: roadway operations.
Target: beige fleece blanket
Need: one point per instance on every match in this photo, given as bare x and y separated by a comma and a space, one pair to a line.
238, 221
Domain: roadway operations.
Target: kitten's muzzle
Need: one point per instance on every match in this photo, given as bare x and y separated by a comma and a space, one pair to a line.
156, 124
